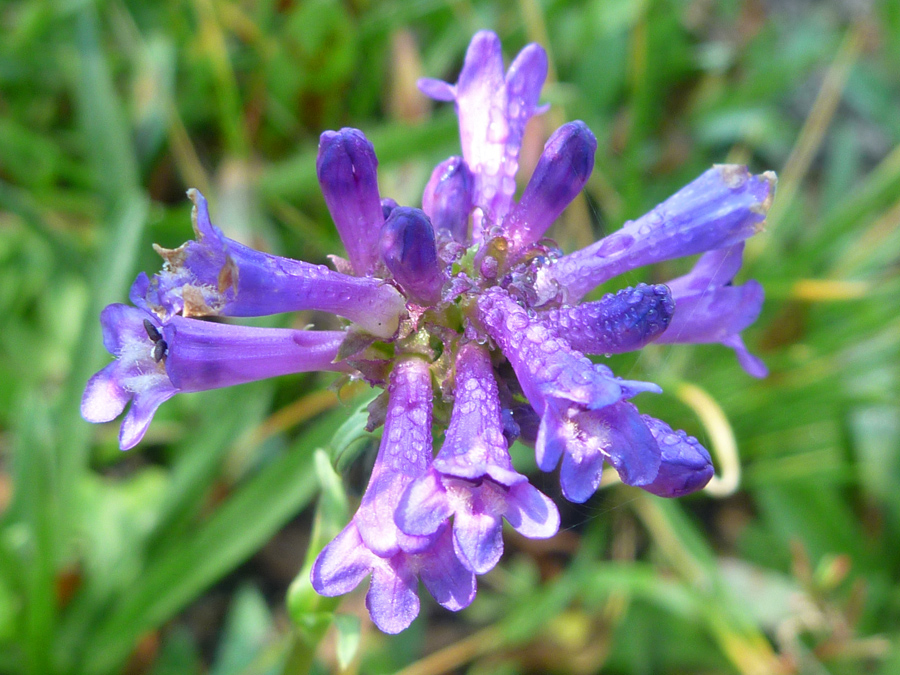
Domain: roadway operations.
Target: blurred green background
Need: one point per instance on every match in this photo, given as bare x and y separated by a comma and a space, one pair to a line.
176, 557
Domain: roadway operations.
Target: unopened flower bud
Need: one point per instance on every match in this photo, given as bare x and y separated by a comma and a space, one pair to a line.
410, 253
560, 174
448, 197
346, 167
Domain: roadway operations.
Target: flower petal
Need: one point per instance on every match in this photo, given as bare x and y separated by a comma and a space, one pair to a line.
753, 365
424, 506
579, 475
139, 416
347, 170
444, 575
715, 314
104, 397
531, 513
392, 600
217, 276
478, 540
342, 564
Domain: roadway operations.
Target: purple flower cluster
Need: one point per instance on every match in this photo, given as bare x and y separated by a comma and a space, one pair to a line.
464, 306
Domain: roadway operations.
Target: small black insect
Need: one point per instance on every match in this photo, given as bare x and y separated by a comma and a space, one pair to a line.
152, 332
160, 349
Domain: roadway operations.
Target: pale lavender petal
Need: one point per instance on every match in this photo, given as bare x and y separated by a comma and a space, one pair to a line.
138, 373
478, 540
424, 506
437, 89
408, 249
342, 564
753, 365
104, 397
206, 355
393, 600
123, 326
618, 322
686, 465
447, 198
531, 513
493, 111
139, 416
444, 575
560, 174
347, 171
721, 208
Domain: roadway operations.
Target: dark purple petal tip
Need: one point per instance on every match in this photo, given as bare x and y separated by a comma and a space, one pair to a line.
685, 465
561, 173
409, 250
448, 197
347, 172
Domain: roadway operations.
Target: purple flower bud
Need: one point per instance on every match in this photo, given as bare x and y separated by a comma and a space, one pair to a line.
618, 322
686, 465
709, 309
156, 361
410, 253
347, 171
721, 208
372, 542
219, 276
387, 205
472, 477
448, 197
493, 111
560, 174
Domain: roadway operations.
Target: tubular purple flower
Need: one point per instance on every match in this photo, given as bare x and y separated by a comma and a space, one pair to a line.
709, 309
493, 111
155, 361
372, 542
448, 198
560, 174
577, 400
410, 253
722, 207
347, 171
686, 465
473, 478
617, 322
217, 276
